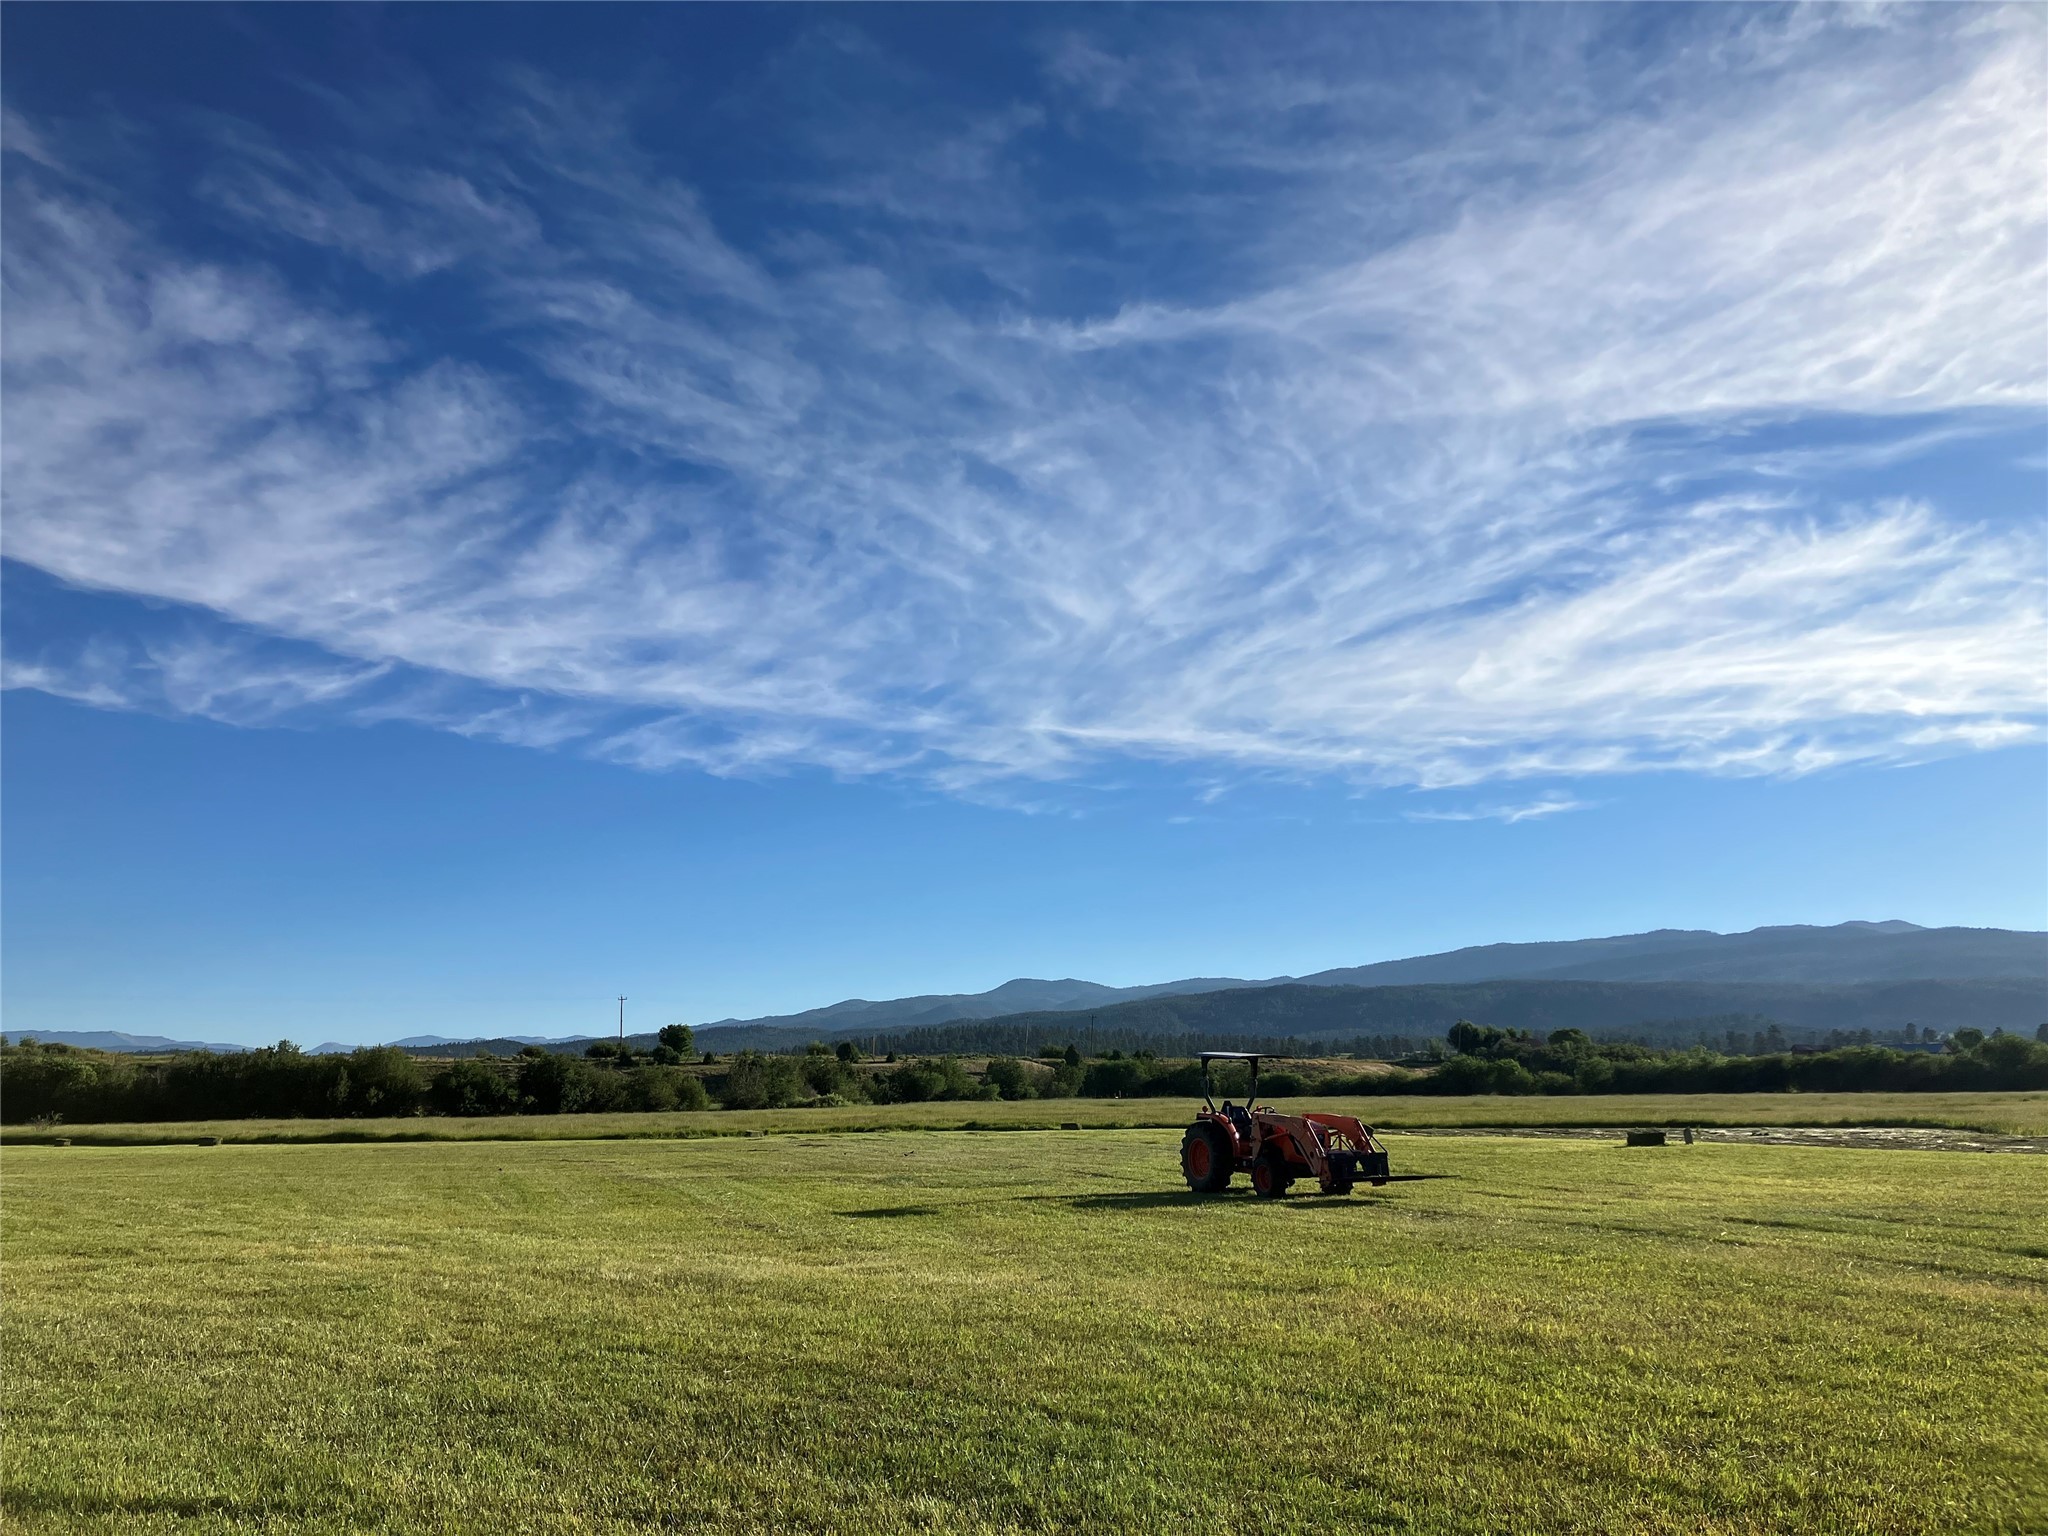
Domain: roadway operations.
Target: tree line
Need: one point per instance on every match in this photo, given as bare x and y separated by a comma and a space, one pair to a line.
45, 1082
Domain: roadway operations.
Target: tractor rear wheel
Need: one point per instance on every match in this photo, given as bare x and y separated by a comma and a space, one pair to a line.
1207, 1159
1270, 1176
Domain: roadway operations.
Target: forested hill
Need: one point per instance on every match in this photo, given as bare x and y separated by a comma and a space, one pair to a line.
1807, 979
1796, 955
1293, 1015
1841, 955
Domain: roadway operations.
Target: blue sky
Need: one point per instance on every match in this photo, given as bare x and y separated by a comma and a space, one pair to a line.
746, 507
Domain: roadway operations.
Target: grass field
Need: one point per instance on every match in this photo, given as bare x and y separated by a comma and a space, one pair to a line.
978, 1332
2015, 1114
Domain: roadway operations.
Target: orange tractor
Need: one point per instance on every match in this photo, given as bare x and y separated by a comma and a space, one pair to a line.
1275, 1149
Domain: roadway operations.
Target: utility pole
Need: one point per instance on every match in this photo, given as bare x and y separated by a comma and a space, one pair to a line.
622, 1018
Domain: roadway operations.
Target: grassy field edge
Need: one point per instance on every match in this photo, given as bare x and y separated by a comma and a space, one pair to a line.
2016, 1114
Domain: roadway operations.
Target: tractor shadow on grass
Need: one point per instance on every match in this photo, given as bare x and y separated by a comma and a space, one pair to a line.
1168, 1199
1118, 1200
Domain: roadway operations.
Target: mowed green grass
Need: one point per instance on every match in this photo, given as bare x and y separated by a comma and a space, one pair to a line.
1020, 1331
2013, 1114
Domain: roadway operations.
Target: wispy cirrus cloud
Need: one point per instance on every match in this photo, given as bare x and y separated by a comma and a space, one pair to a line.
1449, 488
1529, 810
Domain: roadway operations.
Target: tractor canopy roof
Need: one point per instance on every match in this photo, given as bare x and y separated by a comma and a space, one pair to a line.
1209, 1056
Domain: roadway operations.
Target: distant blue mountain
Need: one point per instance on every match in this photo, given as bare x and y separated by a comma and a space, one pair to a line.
115, 1040
422, 1041
1843, 955
1846, 954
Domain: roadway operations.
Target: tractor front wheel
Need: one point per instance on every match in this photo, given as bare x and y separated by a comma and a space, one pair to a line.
1270, 1177
1207, 1159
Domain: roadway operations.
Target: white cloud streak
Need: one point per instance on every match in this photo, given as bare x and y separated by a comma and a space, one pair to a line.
1533, 810
1394, 508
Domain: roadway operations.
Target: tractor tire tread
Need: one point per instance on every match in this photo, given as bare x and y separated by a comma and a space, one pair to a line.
1279, 1178
1222, 1159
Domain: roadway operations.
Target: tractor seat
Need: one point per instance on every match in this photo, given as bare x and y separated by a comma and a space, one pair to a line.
1239, 1118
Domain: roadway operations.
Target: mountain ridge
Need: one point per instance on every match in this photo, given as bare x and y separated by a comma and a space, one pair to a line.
1848, 954
1886, 950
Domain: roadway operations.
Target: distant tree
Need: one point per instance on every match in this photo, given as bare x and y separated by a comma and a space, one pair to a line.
1113, 1079
1064, 1083
1072, 1054
559, 1085
650, 1088
472, 1086
1967, 1039
45, 1082
1009, 1077
1465, 1037
678, 1038
823, 1072
381, 1080
918, 1081
847, 1052
1566, 1039
2041, 1033
662, 1088
755, 1081
1474, 1074
690, 1092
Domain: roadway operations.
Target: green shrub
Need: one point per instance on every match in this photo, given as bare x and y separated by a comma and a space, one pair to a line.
565, 1085
828, 1072
647, 1089
1011, 1078
918, 1082
662, 1088
690, 1092
472, 1086
1064, 1082
381, 1080
755, 1081
1478, 1074
39, 1082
